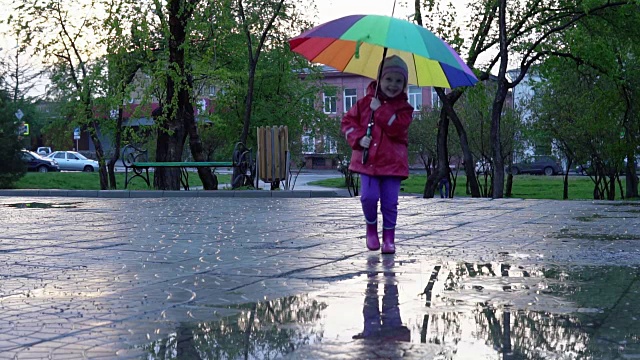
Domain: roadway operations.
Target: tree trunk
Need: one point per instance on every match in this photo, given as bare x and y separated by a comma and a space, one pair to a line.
443, 158
509, 185
208, 178
629, 136
469, 168
178, 109
631, 175
248, 103
186, 344
498, 104
447, 105
620, 187
116, 150
612, 187
631, 180
247, 109
104, 178
565, 188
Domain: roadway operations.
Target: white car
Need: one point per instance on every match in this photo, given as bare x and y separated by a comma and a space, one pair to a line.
74, 161
44, 151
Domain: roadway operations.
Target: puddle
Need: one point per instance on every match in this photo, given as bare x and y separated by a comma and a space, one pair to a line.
592, 218
567, 234
37, 205
448, 310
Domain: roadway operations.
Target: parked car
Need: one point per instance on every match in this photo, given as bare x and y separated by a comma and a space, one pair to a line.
74, 161
547, 165
585, 169
44, 151
38, 163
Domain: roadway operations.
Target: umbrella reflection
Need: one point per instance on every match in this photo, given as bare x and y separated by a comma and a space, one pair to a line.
385, 324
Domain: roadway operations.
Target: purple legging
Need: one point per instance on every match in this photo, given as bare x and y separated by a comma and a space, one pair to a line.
385, 188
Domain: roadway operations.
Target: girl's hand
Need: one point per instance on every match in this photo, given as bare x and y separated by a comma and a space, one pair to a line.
375, 104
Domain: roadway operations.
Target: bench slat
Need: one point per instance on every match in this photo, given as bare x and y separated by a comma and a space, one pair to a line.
184, 164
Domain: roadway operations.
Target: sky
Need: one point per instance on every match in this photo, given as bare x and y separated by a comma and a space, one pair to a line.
333, 9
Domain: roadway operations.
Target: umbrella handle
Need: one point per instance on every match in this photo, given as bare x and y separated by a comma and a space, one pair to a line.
365, 153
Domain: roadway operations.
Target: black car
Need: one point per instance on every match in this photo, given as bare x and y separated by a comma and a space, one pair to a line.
585, 169
38, 163
547, 165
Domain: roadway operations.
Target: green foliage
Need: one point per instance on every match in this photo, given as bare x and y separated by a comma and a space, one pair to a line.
90, 181
588, 102
11, 165
423, 132
282, 85
524, 186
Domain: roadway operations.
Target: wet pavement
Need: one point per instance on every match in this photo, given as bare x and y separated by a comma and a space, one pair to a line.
268, 278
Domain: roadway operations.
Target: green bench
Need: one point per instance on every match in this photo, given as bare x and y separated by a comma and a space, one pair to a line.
136, 164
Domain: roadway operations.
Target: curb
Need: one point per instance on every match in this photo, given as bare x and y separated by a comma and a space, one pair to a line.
123, 194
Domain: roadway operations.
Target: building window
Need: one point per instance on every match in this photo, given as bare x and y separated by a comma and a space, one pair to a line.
330, 145
308, 143
435, 99
212, 90
350, 98
329, 103
415, 97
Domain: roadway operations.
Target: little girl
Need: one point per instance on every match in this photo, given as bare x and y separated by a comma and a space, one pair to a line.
387, 163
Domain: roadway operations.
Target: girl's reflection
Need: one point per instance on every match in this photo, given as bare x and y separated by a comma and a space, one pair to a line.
386, 325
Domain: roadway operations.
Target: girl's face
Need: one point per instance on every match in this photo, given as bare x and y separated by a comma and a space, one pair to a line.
392, 84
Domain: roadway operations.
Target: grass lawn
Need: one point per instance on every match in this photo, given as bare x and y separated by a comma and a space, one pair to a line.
524, 186
91, 181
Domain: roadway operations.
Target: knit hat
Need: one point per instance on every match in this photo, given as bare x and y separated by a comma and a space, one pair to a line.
395, 64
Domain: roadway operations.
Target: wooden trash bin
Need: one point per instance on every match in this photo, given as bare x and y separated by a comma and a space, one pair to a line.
273, 154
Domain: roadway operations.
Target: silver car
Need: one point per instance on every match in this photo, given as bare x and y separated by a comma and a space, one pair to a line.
74, 161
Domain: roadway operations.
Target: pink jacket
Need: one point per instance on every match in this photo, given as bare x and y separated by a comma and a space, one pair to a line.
388, 154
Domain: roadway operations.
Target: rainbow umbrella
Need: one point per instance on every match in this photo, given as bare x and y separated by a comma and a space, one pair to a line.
356, 44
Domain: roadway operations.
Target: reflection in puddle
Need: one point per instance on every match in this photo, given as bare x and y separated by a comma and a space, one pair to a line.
383, 324
37, 205
453, 310
567, 234
265, 330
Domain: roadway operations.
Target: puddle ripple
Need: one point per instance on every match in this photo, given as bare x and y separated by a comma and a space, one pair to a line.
446, 311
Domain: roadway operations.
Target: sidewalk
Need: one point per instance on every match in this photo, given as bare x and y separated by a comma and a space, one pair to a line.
165, 278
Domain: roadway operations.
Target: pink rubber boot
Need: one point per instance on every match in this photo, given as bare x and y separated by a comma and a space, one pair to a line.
388, 238
373, 241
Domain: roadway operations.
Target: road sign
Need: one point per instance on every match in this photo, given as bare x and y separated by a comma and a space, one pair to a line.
19, 114
76, 134
23, 130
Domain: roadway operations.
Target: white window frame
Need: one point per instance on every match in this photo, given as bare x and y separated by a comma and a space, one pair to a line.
415, 97
330, 145
308, 143
349, 99
435, 99
331, 102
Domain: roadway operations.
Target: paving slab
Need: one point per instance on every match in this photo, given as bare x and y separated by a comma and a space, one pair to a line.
289, 277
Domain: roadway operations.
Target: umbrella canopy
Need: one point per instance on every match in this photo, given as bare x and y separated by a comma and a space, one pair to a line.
355, 44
